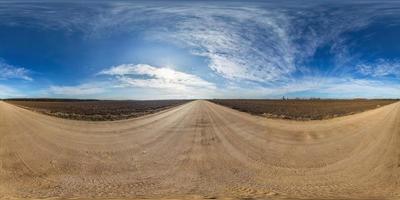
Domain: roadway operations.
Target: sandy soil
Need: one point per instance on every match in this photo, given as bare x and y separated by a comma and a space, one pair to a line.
200, 150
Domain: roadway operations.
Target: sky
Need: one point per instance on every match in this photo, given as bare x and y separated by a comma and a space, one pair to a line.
199, 49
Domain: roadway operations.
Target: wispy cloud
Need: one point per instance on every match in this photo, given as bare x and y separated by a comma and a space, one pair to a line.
265, 42
154, 77
353, 88
8, 71
263, 47
123, 85
230, 39
85, 89
316, 87
145, 81
8, 92
380, 68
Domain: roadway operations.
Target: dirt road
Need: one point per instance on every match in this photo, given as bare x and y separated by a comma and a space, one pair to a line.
200, 149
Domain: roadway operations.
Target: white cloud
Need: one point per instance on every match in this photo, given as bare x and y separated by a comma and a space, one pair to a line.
263, 42
78, 90
380, 68
240, 43
354, 88
8, 92
123, 86
316, 87
13, 72
154, 77
139, 81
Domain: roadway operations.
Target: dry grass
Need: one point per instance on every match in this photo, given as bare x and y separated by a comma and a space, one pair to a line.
302, 109
97, 110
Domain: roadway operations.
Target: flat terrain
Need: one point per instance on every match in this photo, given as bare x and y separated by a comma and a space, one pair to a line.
97, 110
200, 150
302, 109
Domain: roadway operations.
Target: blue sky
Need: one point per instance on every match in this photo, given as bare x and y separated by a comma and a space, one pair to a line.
163, 50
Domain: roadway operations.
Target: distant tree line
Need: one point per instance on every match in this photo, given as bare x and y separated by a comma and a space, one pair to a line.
311, 99
48, 99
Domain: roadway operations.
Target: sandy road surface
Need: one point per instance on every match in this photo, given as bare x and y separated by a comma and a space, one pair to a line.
200, 149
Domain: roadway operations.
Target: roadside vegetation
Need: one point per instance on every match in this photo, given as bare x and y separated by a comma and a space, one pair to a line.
95, 110
303, 109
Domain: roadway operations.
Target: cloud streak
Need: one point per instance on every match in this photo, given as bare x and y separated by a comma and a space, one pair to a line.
154, 77
317, 87
230, 39
8, 71
78, 90
264, 49
8, 92
148, 80
266, 42
380, 68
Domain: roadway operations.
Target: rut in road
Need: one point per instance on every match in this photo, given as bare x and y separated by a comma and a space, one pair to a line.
200, 148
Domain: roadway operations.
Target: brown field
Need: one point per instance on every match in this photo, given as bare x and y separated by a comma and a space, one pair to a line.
302, 109
200, 150
97, 110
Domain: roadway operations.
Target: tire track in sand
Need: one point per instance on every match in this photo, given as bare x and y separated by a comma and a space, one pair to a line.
200, 149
